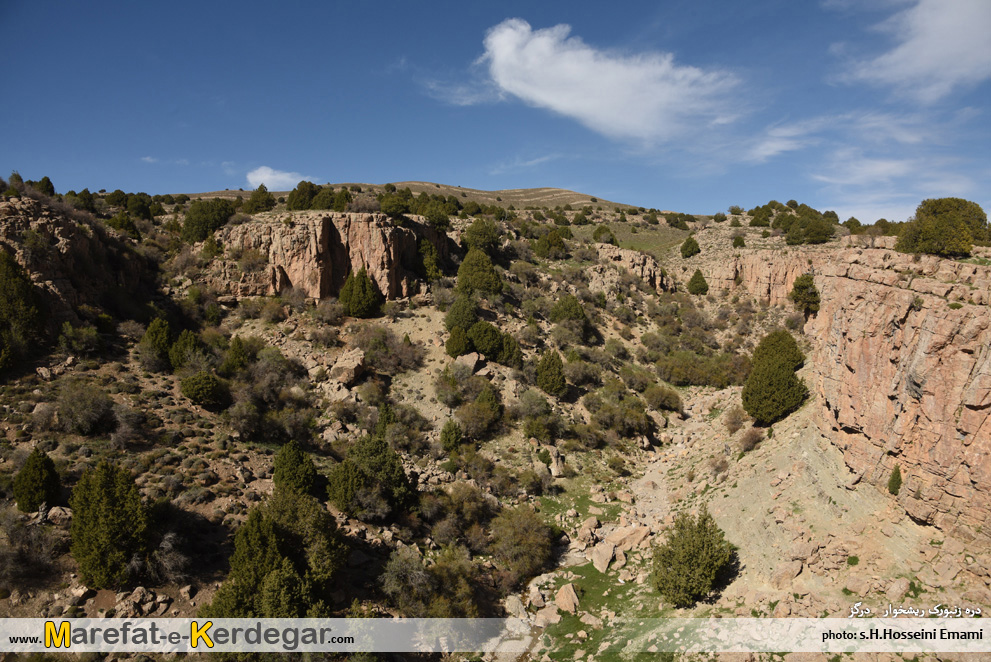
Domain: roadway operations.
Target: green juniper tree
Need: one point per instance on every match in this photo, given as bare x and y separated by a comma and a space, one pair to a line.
36, 483
109, 526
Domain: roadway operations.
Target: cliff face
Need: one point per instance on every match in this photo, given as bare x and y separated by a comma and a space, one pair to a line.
73, 263
905, 378
315, 251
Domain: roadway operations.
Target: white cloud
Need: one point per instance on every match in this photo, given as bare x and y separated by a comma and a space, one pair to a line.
275, 180
941, 46
149, 159
848, 166
645, 97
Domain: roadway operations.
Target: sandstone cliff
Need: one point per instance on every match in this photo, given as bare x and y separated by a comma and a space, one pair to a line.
904, 377
315, 251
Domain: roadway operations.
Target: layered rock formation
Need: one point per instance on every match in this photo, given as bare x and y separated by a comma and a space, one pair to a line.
315, 251
905, 376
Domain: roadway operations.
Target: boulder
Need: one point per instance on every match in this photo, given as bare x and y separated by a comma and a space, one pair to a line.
567, 599
602, 554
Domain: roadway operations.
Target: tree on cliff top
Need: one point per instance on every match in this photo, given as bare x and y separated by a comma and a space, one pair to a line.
944, 226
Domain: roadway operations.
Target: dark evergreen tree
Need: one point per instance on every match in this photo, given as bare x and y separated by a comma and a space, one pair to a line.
550, 374
155, 344
482, 234
360, 296
260, 200
294, 469
205, 216
458, 343
207, 390
486, 339
451, 435
286, 557
895, 481
301, 197
690, 247
691, 559
476, 274
109, 526
370, 483
36, 483
697, 284
805, 295
463, 312
773, 390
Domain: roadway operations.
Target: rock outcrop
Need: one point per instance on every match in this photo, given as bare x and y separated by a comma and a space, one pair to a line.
315, 251
73, 262
643, 266
901, 361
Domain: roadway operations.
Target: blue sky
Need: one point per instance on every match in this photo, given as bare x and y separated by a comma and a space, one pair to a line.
862, 106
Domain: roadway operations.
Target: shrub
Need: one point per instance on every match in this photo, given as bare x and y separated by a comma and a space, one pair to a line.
691, 559
690, 247
19, 317
207, 391
739, 242
550, 374
697, 284
109, 526
428, 261
36, 483
719, 217
477, 417
750, 439
772, 391
662, 398
568, 307
550, 245
476, 274
805, 295
521, 542
603, 235
293, 469
895, 481
360, 296
385, 352
286, 557
84, 408
183, 349
734, 418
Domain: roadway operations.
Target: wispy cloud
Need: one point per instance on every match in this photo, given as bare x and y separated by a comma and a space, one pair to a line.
149, 159
940, 46
523, 164
277, 180
645, 97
